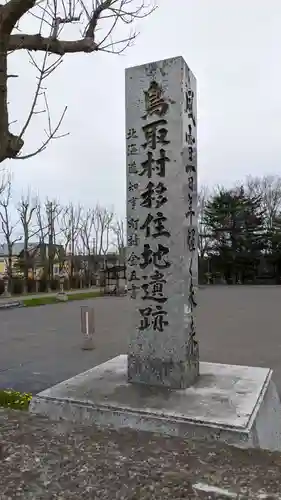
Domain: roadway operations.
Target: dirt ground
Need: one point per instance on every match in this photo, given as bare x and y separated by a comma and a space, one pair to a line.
44, 460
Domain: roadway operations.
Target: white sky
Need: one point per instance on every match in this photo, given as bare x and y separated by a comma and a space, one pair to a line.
232, 47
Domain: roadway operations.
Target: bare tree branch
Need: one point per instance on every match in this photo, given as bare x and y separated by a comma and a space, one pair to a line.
51, 134
52, 45
102, 18
13, 11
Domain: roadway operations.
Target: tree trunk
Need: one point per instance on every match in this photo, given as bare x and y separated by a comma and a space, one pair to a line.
72, 258
10, 144
10, 271
4, 124
51, 248
25, 283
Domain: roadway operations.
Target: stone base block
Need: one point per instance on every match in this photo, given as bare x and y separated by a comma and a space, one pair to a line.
88, 344
155, 371
63, 297
235, 404
5, 304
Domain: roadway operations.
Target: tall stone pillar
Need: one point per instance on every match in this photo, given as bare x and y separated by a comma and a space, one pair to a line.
162, 234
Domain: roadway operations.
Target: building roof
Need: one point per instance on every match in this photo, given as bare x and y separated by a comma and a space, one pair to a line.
17, 248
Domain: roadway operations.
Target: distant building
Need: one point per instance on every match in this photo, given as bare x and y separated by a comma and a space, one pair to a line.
4, 254
36, 252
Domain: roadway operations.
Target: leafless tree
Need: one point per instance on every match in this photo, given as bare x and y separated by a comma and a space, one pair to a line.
26, 210
95, 234
47, 215
41, 221
8, 226
118, 229
86, 233
89, 247
98, 21
53, 210
268, 188
3, 180
203, 237
102, 222
95, 230
69, 223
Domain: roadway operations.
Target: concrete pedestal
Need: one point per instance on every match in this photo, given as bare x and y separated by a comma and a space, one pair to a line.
88, 343
62, 296
235, 404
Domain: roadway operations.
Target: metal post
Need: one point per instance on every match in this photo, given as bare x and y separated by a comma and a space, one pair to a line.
87, 327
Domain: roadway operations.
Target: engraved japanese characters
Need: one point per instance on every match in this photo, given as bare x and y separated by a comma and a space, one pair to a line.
151, 189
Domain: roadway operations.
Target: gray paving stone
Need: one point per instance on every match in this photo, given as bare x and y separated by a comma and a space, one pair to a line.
236, 325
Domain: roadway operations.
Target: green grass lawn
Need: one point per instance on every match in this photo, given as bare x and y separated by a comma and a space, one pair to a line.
42, 301
13, 399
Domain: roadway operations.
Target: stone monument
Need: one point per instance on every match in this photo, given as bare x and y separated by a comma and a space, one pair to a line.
162, 258
157, 386
61, 295
6, 293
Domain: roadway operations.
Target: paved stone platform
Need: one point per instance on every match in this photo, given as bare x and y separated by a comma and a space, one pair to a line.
235, 404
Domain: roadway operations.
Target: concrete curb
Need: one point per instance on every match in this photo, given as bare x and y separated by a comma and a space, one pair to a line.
11, 305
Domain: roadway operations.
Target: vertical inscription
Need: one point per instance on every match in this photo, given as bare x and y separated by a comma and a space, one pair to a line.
191, 219
147, 281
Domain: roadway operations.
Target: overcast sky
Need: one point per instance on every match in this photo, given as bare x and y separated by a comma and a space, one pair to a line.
233, 47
